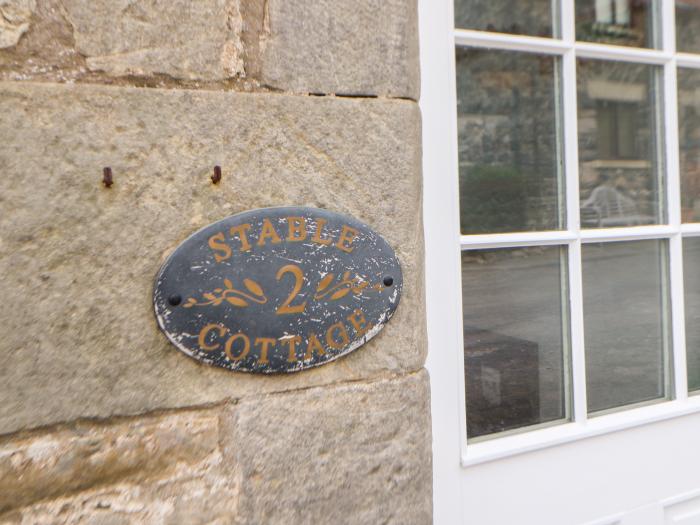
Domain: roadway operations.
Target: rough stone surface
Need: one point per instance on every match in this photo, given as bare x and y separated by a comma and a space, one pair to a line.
180, 38
78, 260
367, 47
356, 453
155, 470
331, 46
71, 459
14, 20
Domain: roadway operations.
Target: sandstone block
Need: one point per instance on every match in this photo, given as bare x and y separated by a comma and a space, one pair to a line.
329, 46
157, 470
353, 454
345, 454
15, 18
180, 38
78, 260
83, 456
367, 47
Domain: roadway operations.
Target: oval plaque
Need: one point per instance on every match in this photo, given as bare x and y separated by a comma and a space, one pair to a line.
277, 290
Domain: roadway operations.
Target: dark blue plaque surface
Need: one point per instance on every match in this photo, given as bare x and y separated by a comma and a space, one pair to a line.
277, 290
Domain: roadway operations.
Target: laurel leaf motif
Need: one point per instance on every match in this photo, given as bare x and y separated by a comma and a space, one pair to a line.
228, 283
340, 293
210, 296
328, 279
253, 287
237, 301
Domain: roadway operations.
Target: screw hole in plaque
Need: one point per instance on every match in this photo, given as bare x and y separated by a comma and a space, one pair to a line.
388, 281
174, 300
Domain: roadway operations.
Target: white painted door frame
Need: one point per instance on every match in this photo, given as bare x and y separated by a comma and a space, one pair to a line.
636, 466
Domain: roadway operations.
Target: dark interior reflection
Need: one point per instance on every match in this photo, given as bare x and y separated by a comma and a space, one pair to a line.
625, 307
691, 278
514, 345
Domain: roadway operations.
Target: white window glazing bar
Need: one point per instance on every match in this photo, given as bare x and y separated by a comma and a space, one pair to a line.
688, 60
690, 229
675, 251
621, 53
632, 233
570, 129
531, 44
511, 240
549, 238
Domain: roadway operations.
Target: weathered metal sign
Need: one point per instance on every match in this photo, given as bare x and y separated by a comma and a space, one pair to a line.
277, 290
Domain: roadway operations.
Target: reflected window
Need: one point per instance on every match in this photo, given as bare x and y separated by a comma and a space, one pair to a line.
689, 142
522, 17
688, 26
620, 144
618, 22
510, 164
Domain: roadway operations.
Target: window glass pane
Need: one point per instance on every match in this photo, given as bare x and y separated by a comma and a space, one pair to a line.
688, 26
626, 311
618, 22
515, 349
523, 17
689, 142
620, 159
691, 261
509, 161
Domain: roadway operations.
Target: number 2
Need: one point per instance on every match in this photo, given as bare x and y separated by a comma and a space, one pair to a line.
285, 308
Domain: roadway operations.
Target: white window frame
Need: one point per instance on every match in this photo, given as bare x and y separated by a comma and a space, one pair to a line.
443, 240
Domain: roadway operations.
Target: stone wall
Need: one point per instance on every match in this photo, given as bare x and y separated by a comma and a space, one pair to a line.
311, 102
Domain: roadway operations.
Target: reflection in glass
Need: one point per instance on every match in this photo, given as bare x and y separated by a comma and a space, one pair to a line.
515, 343
509, 155
618, 22
691, 278
626, 311
522, 17
688, 26
620, 159
689, 142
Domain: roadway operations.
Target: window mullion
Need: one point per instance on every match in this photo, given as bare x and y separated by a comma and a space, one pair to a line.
673, 195
570, 136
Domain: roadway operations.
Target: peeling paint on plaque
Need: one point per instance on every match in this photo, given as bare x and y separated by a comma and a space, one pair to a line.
277, 290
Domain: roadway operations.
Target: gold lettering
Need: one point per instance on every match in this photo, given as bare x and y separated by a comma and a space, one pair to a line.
298, 275
297, 228
266, 232
358, 321
320, 223
314, 344
342, 331
240, 231
203, 337
292, 344
264, 343
229, 344
217, 243
347, 235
